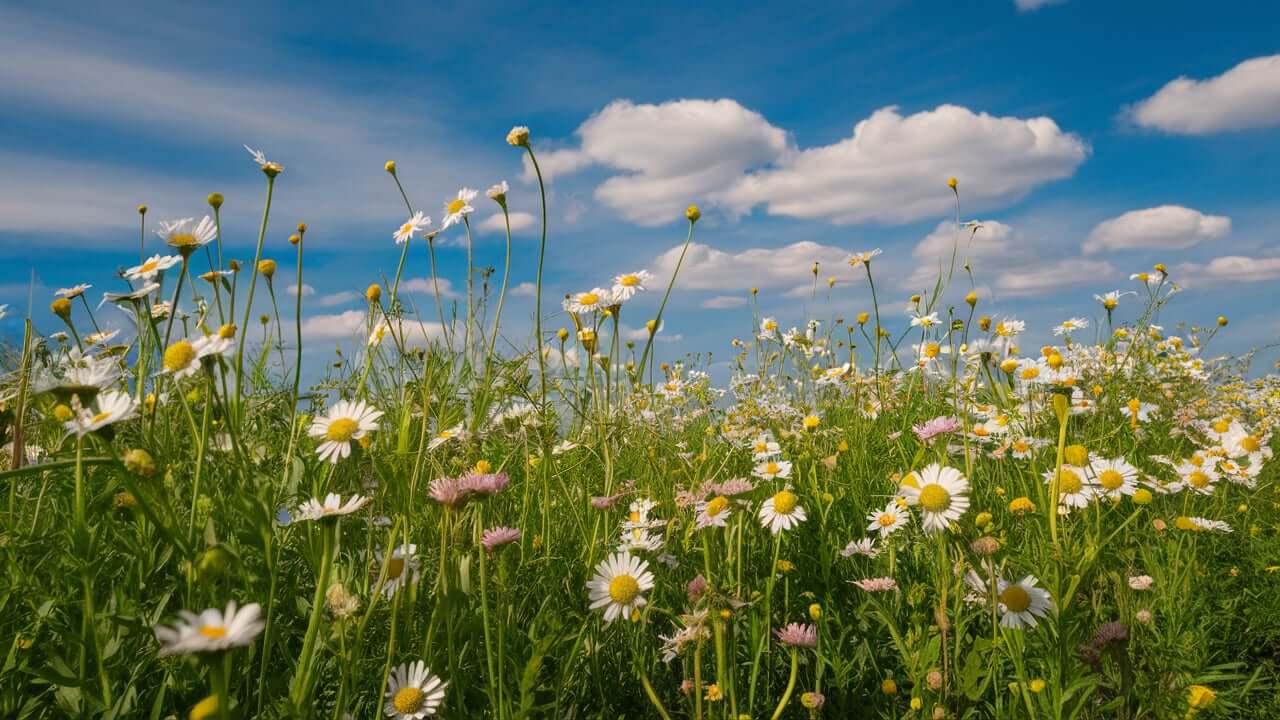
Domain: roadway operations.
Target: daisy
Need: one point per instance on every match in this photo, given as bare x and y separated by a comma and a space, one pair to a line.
1075, 489
402, 569
1022, 602
863, 258
113, 407
924, 321
943, 496
1198, 477
1071, 325
764, 447
888, 520
73, 292
457, 209
154, 265
865, 547
498, 192
1200, 524
413, 692
211, 630
346, 421
768, 329
1114, 477
1112, 299
781, 512
588, 302
181, 359
129, 297
411, 227
186, 235
331, 507
715, 512
628, 284
770, 469
619, 585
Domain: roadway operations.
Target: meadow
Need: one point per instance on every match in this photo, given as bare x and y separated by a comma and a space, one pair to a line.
884, 514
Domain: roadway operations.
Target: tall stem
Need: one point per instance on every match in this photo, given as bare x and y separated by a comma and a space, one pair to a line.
248, 303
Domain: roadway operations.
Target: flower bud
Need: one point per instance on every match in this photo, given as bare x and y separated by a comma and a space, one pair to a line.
693, 213
373, 293
518, 137
267, 268
140, 462
62, 308
390, 166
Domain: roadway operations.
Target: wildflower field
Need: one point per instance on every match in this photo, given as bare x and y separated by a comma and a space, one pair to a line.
884, 514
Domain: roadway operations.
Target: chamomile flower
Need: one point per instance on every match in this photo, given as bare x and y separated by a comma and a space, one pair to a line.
402, 568
865, 547
455, 433
457, 209
619, 585
211, 630
628, 284
770, 469
593, 300
1111, 300
73, 292
1075, 488
186, 235
1022, 602
888, 520
764, 447
862, 258
413, 692
267, 166
714, 512
346, 422
781, 512
411, 227
112, 407
1070, 325
768, 329
942, 495
151, 267
922, 320
1198, 477
1114, 477
331, 507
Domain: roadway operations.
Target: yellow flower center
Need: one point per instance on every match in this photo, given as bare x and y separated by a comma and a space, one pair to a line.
1221, 426
1015, 598
932, 349
784, 503
717, 505
1250, 443
455, 205
182, 239
761, 447
812, 421
628, 281
1110, 479
771, 325
213, 632
1198, 479
408, 700
588, 299
100, 417
406, 229
1021, 446
1069, 482
1110, 304
934, 498
981, 431
178, 356
1030, 373
886, 519
623, 589
342, 429
771, 468
394, 568
149, 265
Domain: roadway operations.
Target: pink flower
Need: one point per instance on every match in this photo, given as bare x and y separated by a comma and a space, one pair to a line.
697, 588
943, 425
484, 483
880, 584
497, 537
600, 502
734, 486
798, 635
449, 492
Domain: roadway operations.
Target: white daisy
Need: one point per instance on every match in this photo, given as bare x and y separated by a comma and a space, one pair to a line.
619, 585
187, 234
943, 496
770, 469
715, 512
591, 301
402, 568
1075, 488
211, 630
865, 547
860, 258
921, 320
346, 421
768, 329
781, 512
113, 407
1071, 325
72, 292
1022, 602
628, 284
886, 521
1114, 477
413, 692
454, 433
331, 507
458, 208
411, 227
764, 447
152, 267
1197, 475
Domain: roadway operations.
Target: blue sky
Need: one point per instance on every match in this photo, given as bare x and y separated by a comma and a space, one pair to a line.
805, 133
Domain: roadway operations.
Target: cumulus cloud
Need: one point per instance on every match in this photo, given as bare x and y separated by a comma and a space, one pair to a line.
307, 290
642, 334
426, 286
1045, 278
991, 244
892, 168
524, 289
354, 324
706, 268
724, 302
1229, 268
1167, 226
1246, 96
495, 224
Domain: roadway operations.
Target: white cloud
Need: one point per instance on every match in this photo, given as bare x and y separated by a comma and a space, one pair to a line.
354, 324
672, 154
1032, 5
338, 298
706, 268
641, 334
993, 245
307, 290
894, 168
556, 163
495, 224
1229, 268
1044, 278
724, 302
1246, 96
1167, 226
426, 286
524, 289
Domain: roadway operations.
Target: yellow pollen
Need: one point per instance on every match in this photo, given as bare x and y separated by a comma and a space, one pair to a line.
455, 205
178, 356
182, 239
1069, 482
932, 349
1250, 443
1015, 598
588, 299
406, 229
623, 589
784, 503
980, 431
934, 498
1110, 479
149, 266
408, 700
1198, 479
100, 417
394, 567
1221, 426
886, 519
1021, 446
213, 632
1031, 373
628, 281
772, 468
342, 429
717, 505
